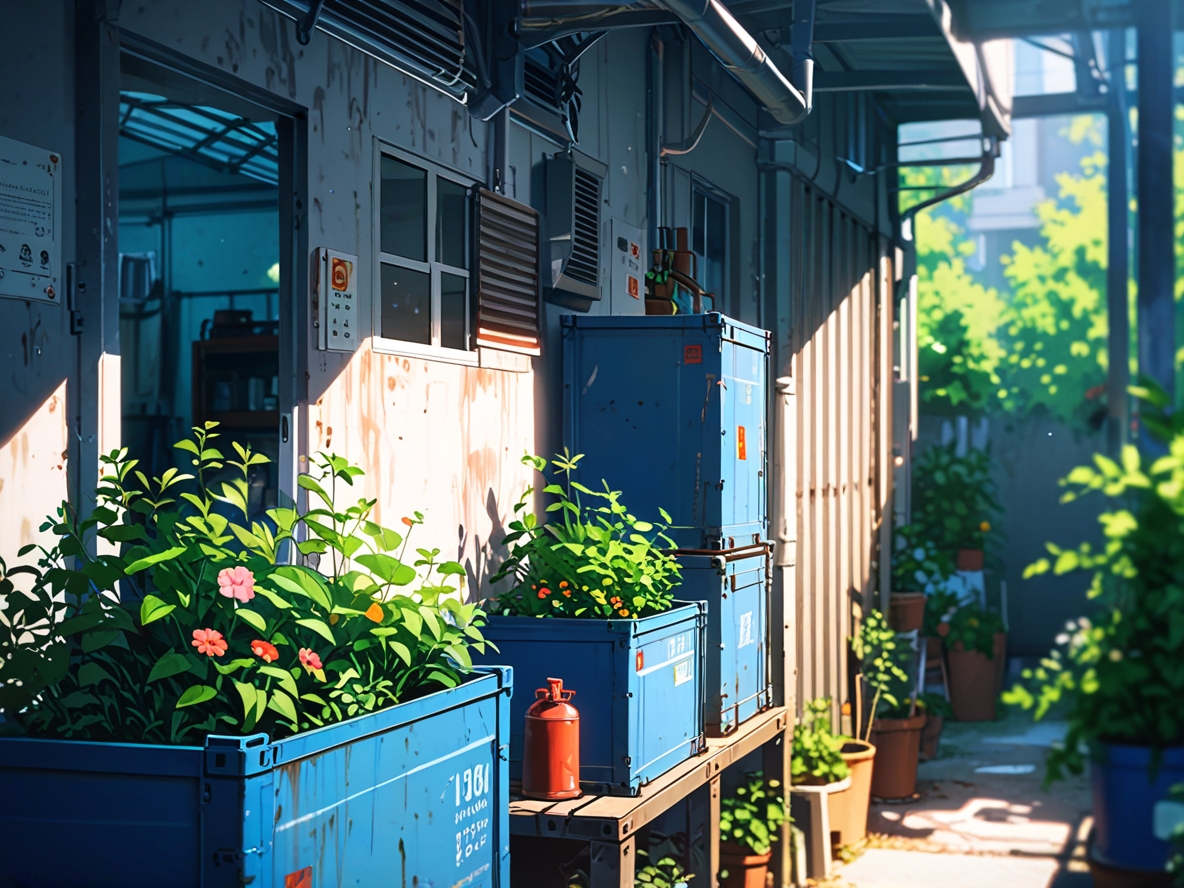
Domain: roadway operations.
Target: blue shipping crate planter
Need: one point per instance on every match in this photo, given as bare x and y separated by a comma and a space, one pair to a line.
734, 583
639, 688
671, 411
411, 794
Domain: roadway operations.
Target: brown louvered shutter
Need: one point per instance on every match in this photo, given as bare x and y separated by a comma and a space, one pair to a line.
507, 274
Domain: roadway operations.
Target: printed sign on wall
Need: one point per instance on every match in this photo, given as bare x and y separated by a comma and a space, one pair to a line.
30, 210
335, 293
627, 267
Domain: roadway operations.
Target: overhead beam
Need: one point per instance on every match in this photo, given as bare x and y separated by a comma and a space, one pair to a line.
1056, 104
895, 27
889, 81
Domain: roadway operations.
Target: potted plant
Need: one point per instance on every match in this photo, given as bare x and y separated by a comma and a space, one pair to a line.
1119, 672
894, 726
954, 499
821, 757
937, 709
588, 595
749, 821
918, 570
245, 677
976, 648
666, 872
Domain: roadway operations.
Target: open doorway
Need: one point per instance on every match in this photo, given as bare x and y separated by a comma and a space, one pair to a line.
199, 271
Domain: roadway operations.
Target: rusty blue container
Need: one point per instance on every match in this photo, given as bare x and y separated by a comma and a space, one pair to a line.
415, 794
639, 689
672, 412
734, 585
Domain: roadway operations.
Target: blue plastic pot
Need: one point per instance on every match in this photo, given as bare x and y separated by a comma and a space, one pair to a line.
1125, 791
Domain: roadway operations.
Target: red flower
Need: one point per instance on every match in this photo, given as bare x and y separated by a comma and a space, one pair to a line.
309, 660
264, 649
209, 642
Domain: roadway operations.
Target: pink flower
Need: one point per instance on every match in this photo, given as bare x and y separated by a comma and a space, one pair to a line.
237, 582
309, 660
209, 642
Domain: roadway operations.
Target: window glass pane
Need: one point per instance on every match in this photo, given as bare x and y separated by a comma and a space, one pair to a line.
698, 212
404, 210
454, 316
406, 304
452, 223
715, 248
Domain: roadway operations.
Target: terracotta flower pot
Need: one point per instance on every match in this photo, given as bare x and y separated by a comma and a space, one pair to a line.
898, 744
970, 559
848, 807
906, 611
1000, 658
973, 684
931, 736
744, 869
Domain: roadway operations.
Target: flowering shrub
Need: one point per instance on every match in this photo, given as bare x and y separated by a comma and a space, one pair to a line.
592, 561
1122, 669
917, 564
200, 625
974, 627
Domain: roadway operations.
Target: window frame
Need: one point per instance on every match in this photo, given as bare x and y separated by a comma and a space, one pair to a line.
711, 193
432, 267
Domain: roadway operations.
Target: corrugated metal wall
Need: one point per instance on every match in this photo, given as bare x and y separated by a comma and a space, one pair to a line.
840, 339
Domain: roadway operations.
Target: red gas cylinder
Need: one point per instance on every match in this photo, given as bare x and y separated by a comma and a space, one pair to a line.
551, 753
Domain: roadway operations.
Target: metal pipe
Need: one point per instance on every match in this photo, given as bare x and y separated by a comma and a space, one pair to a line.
1118, 258
739, 52
990, 152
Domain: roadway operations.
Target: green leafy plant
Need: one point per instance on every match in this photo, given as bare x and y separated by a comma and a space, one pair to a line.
954, 498
935, 704
885, 660
663, 873
817, 750
1121, 670
974, 628
197, 622
917, 564
1176, 860
752, 815
585, 560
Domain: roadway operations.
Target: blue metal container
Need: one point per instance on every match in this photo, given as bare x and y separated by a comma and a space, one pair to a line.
734, 584
638, 683
412, 794
671, 411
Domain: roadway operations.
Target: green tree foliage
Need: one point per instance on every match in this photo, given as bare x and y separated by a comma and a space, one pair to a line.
1040, 344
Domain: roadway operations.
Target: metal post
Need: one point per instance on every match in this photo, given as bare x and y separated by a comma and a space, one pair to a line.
1156, 256
96, 147
1118, 260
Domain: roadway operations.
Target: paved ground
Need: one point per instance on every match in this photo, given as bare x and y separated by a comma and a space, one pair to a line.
982, 818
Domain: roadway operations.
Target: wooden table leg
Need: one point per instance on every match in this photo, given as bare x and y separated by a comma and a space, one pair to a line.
775, 757
613, 863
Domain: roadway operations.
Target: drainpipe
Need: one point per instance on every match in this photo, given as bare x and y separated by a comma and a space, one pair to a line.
737, 51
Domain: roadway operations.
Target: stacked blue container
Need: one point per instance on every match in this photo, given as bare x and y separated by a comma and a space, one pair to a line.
672, 411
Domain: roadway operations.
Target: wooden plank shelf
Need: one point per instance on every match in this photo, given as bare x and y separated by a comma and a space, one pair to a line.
609, 823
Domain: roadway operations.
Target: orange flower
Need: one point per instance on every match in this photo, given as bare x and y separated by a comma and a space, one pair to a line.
309, 660
623, 612
543, 594
567, 593
563, 584
408, 522
209, 642
264, 649
375, 612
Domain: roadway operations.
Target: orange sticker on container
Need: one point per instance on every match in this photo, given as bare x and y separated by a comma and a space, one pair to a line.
692, 354
633, 286
339, 273
299, 879
640, 660
741, 444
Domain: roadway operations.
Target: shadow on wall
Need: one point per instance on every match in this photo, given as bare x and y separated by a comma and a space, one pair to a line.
33, 463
